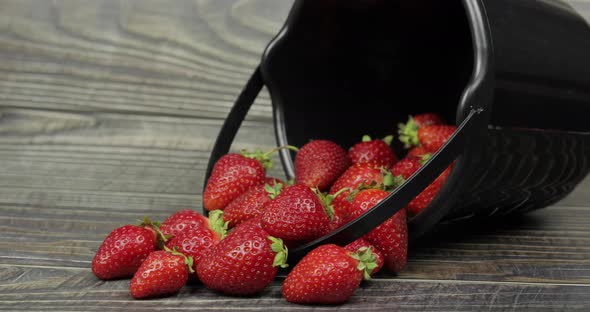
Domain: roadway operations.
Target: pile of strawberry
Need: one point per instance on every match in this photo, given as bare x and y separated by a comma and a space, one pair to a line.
253, 219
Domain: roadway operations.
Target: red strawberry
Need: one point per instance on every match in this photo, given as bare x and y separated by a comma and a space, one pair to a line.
375, 152
319, 163
434, 137
407, 132
232, 175
181, 221
297, 215
164, 272
406, 168
417, 151
244, 263
249, 204
391, 237
339, 219
351, 179
124, 249
195, 241
362, 243
328, 274
423, 199
427, 119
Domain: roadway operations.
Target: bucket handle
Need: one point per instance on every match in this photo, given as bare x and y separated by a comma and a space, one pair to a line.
234, 121
379, 213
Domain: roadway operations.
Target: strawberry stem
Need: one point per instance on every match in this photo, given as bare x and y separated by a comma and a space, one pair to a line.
273, 190
216, 223
342, 190
367, 261
161, 239
408, 133
276, 149
264, 158
366, 138
187, 260
281, 252
326, 200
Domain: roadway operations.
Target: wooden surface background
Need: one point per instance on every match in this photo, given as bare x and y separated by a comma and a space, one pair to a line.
108, 112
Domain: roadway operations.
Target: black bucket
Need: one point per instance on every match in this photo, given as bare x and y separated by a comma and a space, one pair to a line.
514, 76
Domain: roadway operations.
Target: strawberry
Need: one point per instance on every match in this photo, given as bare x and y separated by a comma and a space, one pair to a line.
195, 241
406, 168
319, 163
298, 214
391, 237
423, 199
124, 249
351, 179
164, 272
181, 221
249, 204
434, 137
339, 219
329, 274
362, 243
376, 152
243, 263
417, 151
233, 174
427, 119
408, 131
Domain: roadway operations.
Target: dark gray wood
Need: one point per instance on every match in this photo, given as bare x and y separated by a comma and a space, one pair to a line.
46, 289
108, 112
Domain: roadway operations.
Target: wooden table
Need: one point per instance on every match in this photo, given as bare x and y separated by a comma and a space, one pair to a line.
108, 113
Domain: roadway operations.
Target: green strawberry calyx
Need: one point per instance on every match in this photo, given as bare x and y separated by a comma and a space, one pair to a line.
217, 224
367, 261
388, 139
161, 239
187, 260
327, 200
425, 158
264, 157
281, 252
408, 133
273, 190
390, 183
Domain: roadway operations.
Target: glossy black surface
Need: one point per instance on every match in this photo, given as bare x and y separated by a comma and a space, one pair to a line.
348, 68
339, 69
542, 65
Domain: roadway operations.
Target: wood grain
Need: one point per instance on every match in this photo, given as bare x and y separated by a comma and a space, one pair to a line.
104, 56
108, 112
48, 289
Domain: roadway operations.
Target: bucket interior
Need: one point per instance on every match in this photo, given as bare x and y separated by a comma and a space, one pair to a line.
348, 68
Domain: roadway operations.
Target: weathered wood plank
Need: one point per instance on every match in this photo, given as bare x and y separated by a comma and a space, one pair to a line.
33, 289
69, 178
107, 56
525, 251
